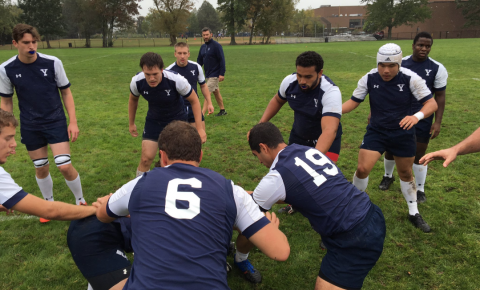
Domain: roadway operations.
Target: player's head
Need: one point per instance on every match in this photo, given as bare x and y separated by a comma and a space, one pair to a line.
180, 141
207, 34
25, 39
152, 66
309, 70
422, 44
8, 123
263, 139
389, 60
182, 53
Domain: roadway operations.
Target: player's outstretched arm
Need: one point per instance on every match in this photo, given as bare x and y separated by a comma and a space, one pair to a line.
197, 113
469, 145
55, 210
271, 241
429, 107
7, 104
70, 106
349, 106
132, 112
329, 132
208, 98
101, 209
275, 104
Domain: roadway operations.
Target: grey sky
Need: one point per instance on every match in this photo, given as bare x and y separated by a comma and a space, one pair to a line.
302, 4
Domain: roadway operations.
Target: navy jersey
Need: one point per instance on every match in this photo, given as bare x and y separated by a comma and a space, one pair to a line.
36, 85
310, 107
211, 56
391, 101
433, 72
305, 178
182, 218
192, 72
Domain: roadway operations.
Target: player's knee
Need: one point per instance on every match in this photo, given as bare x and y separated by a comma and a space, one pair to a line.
64, 163
146, 160
362, 171
404, 173
40, 163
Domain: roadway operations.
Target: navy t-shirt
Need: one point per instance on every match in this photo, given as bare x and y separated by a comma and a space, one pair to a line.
36, 85
192, 72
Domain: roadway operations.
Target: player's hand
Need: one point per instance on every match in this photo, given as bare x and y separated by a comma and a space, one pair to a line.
408, 122
272, 217
210, 109
101, 201
447, 154
73, 131
203, 135
8, 211
435, 130
133, 130
221, 78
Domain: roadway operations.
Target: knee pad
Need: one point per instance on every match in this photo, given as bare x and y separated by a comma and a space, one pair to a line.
41, 162
62, 159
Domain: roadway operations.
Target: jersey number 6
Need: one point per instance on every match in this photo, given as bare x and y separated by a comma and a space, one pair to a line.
318, 178
173, 195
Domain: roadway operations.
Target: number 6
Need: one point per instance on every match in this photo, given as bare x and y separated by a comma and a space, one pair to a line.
173, 195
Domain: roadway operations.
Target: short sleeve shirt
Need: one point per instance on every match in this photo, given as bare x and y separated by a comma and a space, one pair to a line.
10, 192
192, 72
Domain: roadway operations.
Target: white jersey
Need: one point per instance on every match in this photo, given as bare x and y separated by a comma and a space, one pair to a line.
10, 192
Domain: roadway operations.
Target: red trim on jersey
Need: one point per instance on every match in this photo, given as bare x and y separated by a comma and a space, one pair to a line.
333, 156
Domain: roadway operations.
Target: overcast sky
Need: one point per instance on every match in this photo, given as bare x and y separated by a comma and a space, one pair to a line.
303, 4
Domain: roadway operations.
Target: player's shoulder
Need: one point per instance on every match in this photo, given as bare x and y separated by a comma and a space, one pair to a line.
193, 63
171, 66
171, 75
408, 72
290, 79
327, 84
48, 57
138, 77
439, 64
8, 62
408, 57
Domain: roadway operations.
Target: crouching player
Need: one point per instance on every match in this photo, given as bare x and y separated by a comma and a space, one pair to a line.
351, 226
182, 218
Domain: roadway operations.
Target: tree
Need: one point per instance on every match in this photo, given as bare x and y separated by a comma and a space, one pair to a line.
275, 17
193, 26
208, 17
171, 16
471, 11
234, 14
394, 13
9, 16
254, 10
45, 15
81, 19
139, 28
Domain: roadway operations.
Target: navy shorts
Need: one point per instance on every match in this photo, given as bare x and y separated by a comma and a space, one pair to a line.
399, 142
334, 151
351, 255
153, 128
422, 130
36, 139
191, 117
98, 250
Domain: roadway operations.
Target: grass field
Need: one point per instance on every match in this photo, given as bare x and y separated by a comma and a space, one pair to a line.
35, 256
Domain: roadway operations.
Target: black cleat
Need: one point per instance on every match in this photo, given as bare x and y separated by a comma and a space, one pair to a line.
231, 249
418, 222
386, 182
421, 198
249, 272
221, 113
288, 209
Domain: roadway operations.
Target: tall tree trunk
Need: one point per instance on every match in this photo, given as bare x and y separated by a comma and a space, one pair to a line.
87, 40
47, 39
104, 32
389, 32
173, 39
251, 31
232, 38
232, 23
110, 32
268, 39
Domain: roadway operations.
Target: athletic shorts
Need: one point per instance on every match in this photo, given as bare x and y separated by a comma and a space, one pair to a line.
351, 255
36, 139
98, 250
212, 84
191, 117
399, 142
334, 151
422, 130
153, 128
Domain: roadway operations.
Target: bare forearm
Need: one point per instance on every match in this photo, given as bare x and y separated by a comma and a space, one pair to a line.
349, 106
325, 140
272, 109
429, 107
440, 99
132, 110
469, 145
69, 105
7, 104
206, 94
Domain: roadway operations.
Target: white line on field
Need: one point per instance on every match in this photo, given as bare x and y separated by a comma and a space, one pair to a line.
4, 218
475, 79
88, 59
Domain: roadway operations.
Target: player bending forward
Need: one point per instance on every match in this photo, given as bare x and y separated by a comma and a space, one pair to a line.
182, 218
351, 226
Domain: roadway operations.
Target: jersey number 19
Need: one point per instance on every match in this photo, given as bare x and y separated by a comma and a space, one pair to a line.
318, 178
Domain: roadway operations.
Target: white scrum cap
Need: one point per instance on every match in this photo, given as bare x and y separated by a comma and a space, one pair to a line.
390, 52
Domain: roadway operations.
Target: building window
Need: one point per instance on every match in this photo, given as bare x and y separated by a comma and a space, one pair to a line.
354, 23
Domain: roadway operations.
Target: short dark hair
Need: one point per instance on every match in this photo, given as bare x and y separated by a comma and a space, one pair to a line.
423, 34
7, 119
181, 44
265, 133
308, 59
20, 29
180, 141
206, 29
151, 59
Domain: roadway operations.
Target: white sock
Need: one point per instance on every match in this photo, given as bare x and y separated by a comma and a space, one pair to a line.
76, 188
240, 257
140, 172
389, 166
359, 183
410, 194
46, 187
89, 287
420, 172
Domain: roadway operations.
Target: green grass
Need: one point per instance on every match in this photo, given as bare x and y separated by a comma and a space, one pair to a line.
36, 256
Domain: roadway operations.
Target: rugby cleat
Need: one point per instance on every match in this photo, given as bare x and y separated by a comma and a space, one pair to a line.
418, 222
288, 209
221, 113
43, 221
421, 198
386, 182
249, 272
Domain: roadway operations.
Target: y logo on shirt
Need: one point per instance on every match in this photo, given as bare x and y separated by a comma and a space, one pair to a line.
316, 103
18, 76
44, 70
428, 71
400, 86
193, 72
293, 96
375, 86
168, 92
